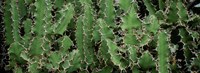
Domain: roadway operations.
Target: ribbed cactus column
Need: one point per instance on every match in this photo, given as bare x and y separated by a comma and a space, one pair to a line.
163, 52
8, 22
107, 11
16, 21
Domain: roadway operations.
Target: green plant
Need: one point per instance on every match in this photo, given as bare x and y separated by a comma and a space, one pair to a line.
101, 36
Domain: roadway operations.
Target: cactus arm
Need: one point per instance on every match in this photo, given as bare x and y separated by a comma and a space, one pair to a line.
182, 11
146, 61
130, 39
24, 55
113, 52
75, 58
16, 20
144, 40
55, 59
36, 46
172, 15
163, 52
22, 8
103, 51
104, 30
186, 39
115, 57
65, 19
88, 30
27, 30
133, 53
110, 12
154, 24
39, 15
8, 22
85, 29
48, 18
79, 35
65, 42
96, 34
27, 27
15, 50
149, 6
107, 9
131, 20
42, 17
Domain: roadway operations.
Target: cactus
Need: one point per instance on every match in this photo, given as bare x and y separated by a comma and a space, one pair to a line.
163, 52
100, 36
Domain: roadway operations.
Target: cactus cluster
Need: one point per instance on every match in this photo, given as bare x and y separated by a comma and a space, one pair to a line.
100, 36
